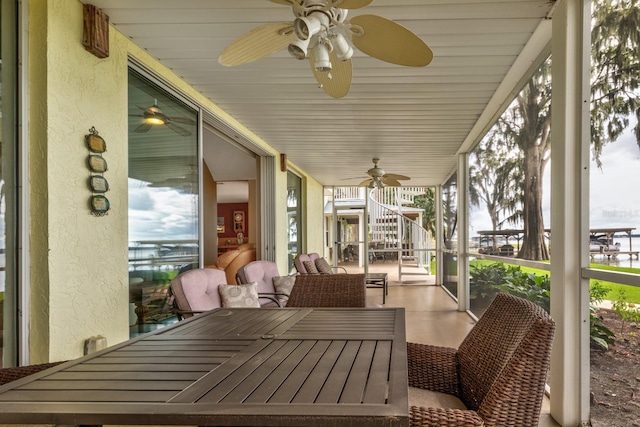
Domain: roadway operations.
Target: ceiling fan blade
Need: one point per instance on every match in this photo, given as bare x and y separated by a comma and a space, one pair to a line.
143, 128
396, 177
257, 44
391, 42
365, 183
337, 82
342, 4
177, 129
390, 182
182, 120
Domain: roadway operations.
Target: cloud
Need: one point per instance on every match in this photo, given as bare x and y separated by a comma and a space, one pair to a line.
161, 214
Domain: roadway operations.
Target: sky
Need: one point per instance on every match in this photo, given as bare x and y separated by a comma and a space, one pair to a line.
161, 213
614, 191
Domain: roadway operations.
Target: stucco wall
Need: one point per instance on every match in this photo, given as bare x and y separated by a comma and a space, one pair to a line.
314, 214
80, 262
78, 273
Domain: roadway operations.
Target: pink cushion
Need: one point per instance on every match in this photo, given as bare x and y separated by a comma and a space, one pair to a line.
262, 272
301, 258
197, 290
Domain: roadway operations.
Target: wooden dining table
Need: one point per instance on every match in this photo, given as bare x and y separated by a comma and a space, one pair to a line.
233, 367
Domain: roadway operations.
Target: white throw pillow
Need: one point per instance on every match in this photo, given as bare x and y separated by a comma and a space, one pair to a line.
245, 295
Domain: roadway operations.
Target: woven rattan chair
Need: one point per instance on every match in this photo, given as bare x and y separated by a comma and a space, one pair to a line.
11, 374
498, 372
328, 290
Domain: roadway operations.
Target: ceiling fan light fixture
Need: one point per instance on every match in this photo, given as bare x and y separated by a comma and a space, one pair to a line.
298, 49
341, 47
322, 62
308, 26
154, 120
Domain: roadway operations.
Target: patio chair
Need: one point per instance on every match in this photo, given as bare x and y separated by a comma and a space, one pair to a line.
321, 266
376, 252
497, 374
196, 291
262, 272
328, 290
15, 373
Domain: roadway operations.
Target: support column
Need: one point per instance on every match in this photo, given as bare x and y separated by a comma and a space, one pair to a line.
463, 232
569, 212
439, 236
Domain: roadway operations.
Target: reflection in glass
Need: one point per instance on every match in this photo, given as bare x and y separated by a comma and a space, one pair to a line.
163, 197
450, 218
9, 222
294, 215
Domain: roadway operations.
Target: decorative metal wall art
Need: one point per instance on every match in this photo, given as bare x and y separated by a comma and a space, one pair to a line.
98, 184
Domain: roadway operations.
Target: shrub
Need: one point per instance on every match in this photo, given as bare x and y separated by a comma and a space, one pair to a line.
486, 280
600, 335
489, 279
627, 311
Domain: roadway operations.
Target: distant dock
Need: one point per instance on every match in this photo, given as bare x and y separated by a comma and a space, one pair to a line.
613, 254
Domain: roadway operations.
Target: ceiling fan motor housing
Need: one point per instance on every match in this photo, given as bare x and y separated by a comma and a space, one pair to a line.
375, 171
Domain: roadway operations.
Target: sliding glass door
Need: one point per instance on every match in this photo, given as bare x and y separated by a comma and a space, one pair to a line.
163, 198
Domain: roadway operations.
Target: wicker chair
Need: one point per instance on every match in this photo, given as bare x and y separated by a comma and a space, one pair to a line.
498, 372
11, 374
328, 290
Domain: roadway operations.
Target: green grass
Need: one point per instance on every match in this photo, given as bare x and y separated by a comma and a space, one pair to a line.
632, 293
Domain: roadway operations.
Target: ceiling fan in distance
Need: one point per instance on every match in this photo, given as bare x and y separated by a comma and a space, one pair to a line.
322, 34
380, 179
153, 116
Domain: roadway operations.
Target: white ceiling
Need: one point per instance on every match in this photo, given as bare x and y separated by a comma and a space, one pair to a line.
414, 119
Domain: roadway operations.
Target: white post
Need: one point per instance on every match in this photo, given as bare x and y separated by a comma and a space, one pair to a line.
439, 237
463, 227
570, 362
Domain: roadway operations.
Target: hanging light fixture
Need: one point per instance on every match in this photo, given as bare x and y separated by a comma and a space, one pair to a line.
322, 62
341, 46
298, 49
308, 26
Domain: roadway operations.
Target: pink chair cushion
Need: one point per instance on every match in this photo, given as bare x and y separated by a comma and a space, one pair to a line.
262, 272
197, 289
301, 258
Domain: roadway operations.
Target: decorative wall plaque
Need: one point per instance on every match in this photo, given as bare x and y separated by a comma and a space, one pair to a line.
98, 184
97, 163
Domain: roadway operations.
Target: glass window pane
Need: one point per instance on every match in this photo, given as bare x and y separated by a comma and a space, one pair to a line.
450, 218
294, 217
163, 198
8, 185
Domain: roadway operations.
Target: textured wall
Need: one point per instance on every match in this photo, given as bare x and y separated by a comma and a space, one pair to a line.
83, 272
314, 215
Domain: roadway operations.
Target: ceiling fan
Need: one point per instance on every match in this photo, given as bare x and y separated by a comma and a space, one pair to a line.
380, 179
153, 116
322, 34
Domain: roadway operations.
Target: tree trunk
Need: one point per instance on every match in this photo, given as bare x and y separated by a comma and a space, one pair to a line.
533, 244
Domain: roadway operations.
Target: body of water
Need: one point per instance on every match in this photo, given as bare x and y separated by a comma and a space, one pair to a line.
622, 260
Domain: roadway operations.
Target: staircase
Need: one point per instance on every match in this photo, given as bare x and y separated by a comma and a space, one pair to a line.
395, 236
